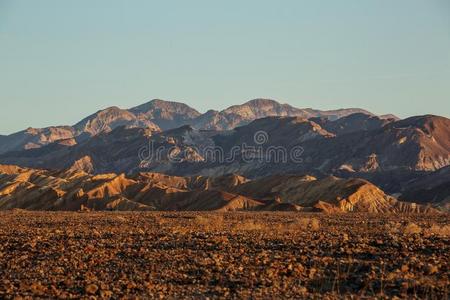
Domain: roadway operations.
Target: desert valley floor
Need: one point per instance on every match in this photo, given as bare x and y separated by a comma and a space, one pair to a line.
223, 255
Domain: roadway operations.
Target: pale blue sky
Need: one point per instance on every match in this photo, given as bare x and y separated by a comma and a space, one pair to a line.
62, 60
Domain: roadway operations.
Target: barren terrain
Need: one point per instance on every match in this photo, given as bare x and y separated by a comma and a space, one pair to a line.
218, 255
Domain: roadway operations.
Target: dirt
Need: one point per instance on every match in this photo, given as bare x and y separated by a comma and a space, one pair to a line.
223, 255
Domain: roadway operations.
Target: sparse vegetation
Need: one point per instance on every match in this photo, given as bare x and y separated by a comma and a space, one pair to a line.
212, 222
250, 225
298, 224
412, 228
315, 224
439, 230
223, 255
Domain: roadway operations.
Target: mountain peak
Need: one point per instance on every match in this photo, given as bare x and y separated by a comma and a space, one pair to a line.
166, 114
110, 118
159, 104
262, 101
389, 116
260, 108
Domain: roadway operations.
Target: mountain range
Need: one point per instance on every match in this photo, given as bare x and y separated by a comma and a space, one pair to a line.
160, 115
258, 142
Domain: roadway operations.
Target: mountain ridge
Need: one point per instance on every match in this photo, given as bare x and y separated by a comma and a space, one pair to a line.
159, 115
35, 189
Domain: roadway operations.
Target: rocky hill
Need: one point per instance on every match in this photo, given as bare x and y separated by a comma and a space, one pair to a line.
33, 189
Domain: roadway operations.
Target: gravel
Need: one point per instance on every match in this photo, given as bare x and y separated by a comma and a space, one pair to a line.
230, 255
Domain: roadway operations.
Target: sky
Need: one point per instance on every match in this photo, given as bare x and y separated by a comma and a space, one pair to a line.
63, 60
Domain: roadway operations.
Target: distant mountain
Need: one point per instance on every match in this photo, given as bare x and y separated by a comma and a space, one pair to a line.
389, 153
111, 118
337, 113
99, 122
118, 150
414, 144
390, 116
75, 190
352, 123
239, 115
354, 143
34, 138
161, 115
277, 131
166, 114
115, 150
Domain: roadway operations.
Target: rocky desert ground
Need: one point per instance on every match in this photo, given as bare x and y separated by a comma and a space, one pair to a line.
223, 255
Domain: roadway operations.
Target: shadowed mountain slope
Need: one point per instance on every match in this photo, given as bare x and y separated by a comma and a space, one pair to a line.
415, 144
431, 188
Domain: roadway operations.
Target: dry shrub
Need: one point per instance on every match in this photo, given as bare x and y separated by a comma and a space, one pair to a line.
250, 225
315, 224
158, 220
210, 222
201, 221
438, 230
168, 225
302, 223
412, 228
311, 224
